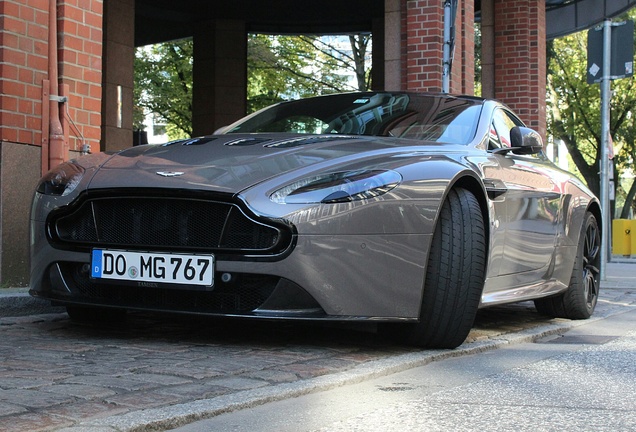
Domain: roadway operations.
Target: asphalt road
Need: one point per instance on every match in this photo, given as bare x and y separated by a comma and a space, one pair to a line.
584, 380
156, 372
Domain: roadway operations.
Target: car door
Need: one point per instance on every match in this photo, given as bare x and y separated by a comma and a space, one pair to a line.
532, 202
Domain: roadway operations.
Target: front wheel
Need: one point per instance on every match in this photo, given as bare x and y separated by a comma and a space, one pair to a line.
579, 300
455, 274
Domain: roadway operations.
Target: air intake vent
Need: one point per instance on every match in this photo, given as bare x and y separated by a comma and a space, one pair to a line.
294, 142
246, 141
169, 223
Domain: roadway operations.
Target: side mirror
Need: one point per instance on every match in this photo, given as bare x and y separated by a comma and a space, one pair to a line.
524, 140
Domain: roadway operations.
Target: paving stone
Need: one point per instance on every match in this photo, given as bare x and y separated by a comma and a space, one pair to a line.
33, 398
187, 371
32, 374
316, 368
80, 391
34, 422
195, 391
7, 383
142, 400
273, 376
7, 409
237, 383
156, 378
109, 382
85, 410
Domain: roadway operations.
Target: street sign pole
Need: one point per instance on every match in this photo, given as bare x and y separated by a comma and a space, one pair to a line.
610, 56
605, 124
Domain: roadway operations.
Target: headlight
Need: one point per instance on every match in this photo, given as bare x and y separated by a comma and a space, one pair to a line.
61, 180
338, 187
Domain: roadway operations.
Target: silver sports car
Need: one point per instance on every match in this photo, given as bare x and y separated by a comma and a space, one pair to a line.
410, 210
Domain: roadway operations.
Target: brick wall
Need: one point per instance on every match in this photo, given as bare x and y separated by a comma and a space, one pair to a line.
24, 34
520, 75
463, 72
424, 47
80, 59
24, 65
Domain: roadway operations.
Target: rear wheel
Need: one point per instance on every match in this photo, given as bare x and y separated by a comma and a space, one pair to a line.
579, 300
454, 276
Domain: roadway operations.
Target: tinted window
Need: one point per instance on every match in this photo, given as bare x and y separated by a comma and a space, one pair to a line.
433, 118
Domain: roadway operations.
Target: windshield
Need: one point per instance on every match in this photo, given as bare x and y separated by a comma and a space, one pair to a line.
422, 117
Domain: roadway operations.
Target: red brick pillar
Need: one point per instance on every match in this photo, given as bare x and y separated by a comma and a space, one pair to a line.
463, 71
520, 63
23, 66
80, 68
24, 107
424, 45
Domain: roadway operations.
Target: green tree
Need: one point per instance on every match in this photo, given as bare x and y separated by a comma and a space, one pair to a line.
574, 115
163, 86
287, 67
279, 68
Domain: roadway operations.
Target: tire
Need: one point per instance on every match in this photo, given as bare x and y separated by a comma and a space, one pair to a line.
95, 314
455, 275
579, 300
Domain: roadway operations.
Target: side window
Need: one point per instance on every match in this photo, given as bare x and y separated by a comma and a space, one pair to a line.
502, 123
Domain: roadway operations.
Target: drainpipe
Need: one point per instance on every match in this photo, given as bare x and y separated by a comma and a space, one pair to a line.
56, 132
450, 8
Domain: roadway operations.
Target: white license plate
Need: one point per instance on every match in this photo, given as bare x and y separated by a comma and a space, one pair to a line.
153, 267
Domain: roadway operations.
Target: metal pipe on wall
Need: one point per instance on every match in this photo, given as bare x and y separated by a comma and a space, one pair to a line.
446, 69
56, 132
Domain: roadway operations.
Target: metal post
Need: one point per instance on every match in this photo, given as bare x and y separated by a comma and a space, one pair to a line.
605, 127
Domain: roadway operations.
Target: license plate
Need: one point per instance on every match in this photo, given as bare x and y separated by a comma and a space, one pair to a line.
153, 267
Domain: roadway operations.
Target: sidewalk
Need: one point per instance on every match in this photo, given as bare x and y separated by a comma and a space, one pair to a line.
60, 376
17, 302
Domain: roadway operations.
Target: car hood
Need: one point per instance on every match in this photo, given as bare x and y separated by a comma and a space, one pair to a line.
232, 163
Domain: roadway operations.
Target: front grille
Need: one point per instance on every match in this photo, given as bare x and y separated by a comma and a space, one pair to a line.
244, 293
171, 223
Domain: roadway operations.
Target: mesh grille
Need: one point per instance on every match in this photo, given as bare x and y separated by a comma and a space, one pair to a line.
164, 222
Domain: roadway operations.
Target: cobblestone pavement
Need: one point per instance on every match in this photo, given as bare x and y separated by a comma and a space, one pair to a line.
154, 372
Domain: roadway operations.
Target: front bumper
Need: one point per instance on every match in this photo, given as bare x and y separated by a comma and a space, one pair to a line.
327, 277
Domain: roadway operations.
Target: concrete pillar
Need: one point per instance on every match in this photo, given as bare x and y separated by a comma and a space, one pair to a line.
520, 60
488, 48
463, 71
118, 74
394, 11
377, 56
219, 75
19, 174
